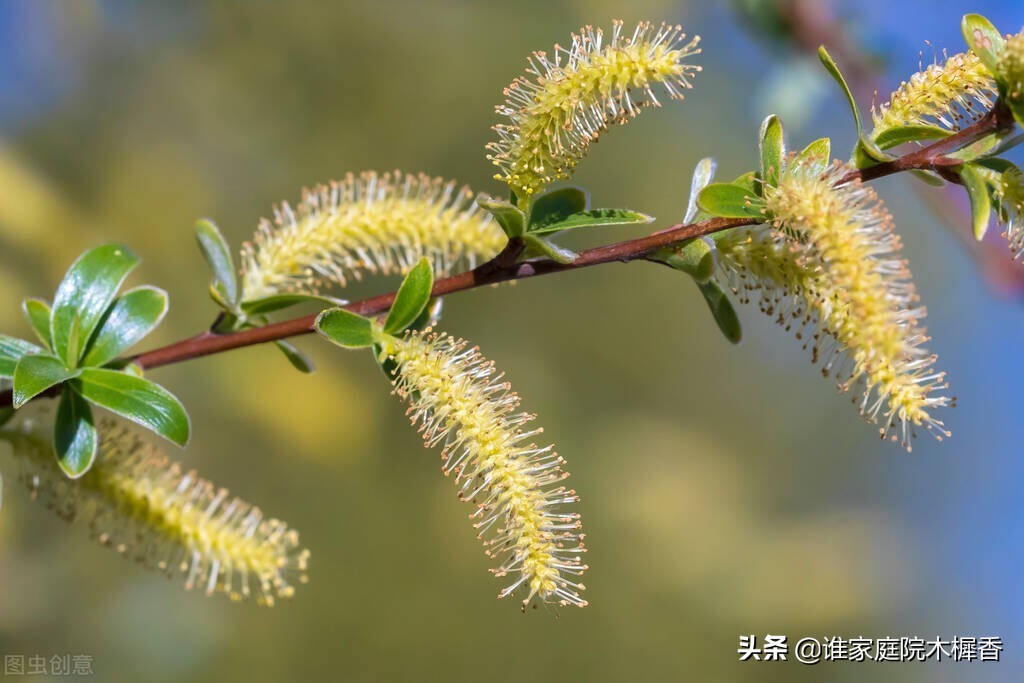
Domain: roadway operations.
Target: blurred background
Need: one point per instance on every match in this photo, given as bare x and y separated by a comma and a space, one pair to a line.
725, 490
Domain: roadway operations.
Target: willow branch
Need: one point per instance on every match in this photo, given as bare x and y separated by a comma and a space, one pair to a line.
503, 267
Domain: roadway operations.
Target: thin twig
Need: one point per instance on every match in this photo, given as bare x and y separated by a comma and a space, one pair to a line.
504, 268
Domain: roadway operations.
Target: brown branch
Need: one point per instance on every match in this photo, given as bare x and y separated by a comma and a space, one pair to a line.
503, 267
812, 24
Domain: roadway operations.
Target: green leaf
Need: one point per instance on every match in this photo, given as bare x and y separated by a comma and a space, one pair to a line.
722, 310
37, 313
74, 435
411, 299
218, 254
430, 315
750, 183
866, 153
139, 400
695, 257
773, 149
297, 358
816, 155
703, 174
984, 40
345, 328
539, 246
35, 374
833, 70
511, 219
891, 137
11, 351
556, 206
82, 298
592, 219
132, 316
981, 203
729, 201
277, 302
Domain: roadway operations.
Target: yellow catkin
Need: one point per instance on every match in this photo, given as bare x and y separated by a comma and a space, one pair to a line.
565, 101
370, 223
458, 401
830, 260
1010, 68
949, 94
139, 502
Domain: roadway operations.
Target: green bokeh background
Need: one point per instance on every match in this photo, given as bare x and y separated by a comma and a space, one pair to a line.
725, 490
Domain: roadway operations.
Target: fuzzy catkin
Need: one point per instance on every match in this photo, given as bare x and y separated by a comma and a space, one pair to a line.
564, 102
137, 501
459, 402
830, 260
370, 223
959, 90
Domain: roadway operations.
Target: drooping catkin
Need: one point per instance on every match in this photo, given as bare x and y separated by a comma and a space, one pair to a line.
459, 402
137, 501
564, 102
370, 223
959, 90
830, 260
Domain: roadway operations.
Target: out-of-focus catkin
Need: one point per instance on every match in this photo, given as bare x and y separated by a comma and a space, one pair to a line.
139, 502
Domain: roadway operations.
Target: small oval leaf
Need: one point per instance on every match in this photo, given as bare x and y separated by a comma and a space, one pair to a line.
139, 400
594, 218
74, 435
556, 206
722, 310
984, 40
217, 253
891, 137
981, 202
729, 201
345, 328
297, 358
411, 299
37, 313
773, 149
35, 374
83, 296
